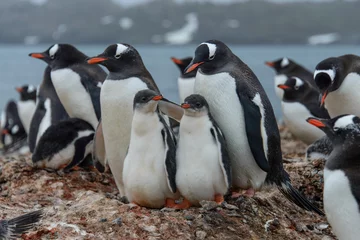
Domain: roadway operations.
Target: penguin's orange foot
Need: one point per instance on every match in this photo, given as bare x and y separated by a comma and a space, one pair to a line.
75, 168
219, 198
170, 203
185, 204
62, 166
249, 192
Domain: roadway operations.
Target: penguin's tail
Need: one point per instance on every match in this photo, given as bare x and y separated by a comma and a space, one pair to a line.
17, 226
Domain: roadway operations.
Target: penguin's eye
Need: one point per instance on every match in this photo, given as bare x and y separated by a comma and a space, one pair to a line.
336, 129
212, 57
198, 104
143, 99
296, 87
117, 56
52, 56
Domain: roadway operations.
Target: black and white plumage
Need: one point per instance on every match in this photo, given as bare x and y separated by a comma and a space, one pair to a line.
26, 105
299, 102
338, 79
243, 111
203, 163
64, 145
185, 81
150, 164
320, 149
13, 228
341, 174
285, 68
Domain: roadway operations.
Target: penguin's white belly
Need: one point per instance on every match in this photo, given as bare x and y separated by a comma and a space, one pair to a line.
144, 173
279, 79
73, 96
199, 174
116, 99
220, 92
295, 115
341, 208
186, 87
26, 110
45, 121
346, 99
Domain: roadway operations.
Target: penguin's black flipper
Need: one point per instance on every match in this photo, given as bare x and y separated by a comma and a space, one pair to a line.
99, 152
80, 151
13, 228
171, 109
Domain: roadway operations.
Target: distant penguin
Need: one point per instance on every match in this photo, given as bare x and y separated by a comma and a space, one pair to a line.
285, 68
127, 76
150, 164
185, 81
341, 175
26, 105
203, 164
244, 113
64, 145
299, 102
77, 83
338, 79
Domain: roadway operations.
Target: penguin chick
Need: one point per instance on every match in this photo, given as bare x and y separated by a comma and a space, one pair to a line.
203, 164
150, 165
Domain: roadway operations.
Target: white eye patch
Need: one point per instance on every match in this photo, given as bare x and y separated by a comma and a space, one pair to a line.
31, 88
284, 62
120, 49
53, 50
298, 82
15, 129
330, 73
344, 121
212, 49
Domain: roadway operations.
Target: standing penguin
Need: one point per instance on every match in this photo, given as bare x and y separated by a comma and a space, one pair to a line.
285, 68
341, 175
299, 102
185, 81
338, 79
150, 164
243, 111
26, 105
77, 83
203, 164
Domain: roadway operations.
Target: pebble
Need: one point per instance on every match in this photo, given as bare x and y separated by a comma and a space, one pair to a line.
103, 220
189, 217
229, 206
149, 228
321, 226
200, 235
118, 221
208, 205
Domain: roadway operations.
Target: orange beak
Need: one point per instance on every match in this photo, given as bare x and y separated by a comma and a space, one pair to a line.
283, 86
315, 122
193, 67
19, 89
270, 64
36, 55
323, 98
185, 105
4, 132
96, 60
176, 61
157, 98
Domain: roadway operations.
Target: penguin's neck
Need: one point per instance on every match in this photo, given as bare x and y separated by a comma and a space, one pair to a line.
144, 123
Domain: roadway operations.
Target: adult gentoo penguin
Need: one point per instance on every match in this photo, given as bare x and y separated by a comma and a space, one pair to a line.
243, 111
285, 68
185, 81
77, 83
338, 79
202, 161
150, 164
13, 228
26, 104
341, 175
127, 76
299, 102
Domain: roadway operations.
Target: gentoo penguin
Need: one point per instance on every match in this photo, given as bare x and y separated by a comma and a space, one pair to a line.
338, 79
299, 102
49, 110
202, 161
150, 164
243, 111
26, 104
185, 81
64, 145
13, 228
341, 175
320, 149
127, 76
77, 83
285, 68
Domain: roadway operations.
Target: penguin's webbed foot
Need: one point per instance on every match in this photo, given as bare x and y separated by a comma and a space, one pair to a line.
219, 198
185, 204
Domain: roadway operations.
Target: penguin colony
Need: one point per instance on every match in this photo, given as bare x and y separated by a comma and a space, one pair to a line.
227, 137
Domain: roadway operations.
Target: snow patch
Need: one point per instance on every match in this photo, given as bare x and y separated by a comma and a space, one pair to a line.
185, 34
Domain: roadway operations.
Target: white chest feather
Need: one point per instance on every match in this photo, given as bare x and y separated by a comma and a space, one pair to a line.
220, 92
341, 207
3, 119
295, 115
279, 79
26, 110
186, 87
74, 97
199, 174
346, 99
45, 121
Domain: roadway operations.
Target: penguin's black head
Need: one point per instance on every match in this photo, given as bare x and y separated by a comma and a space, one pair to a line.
209, 55
281, 65
146, 100
60, 55
27, 92
117, 57
294, 89
182, 64
195, 105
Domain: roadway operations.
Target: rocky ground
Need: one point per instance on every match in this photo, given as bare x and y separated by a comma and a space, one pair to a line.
85, 205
